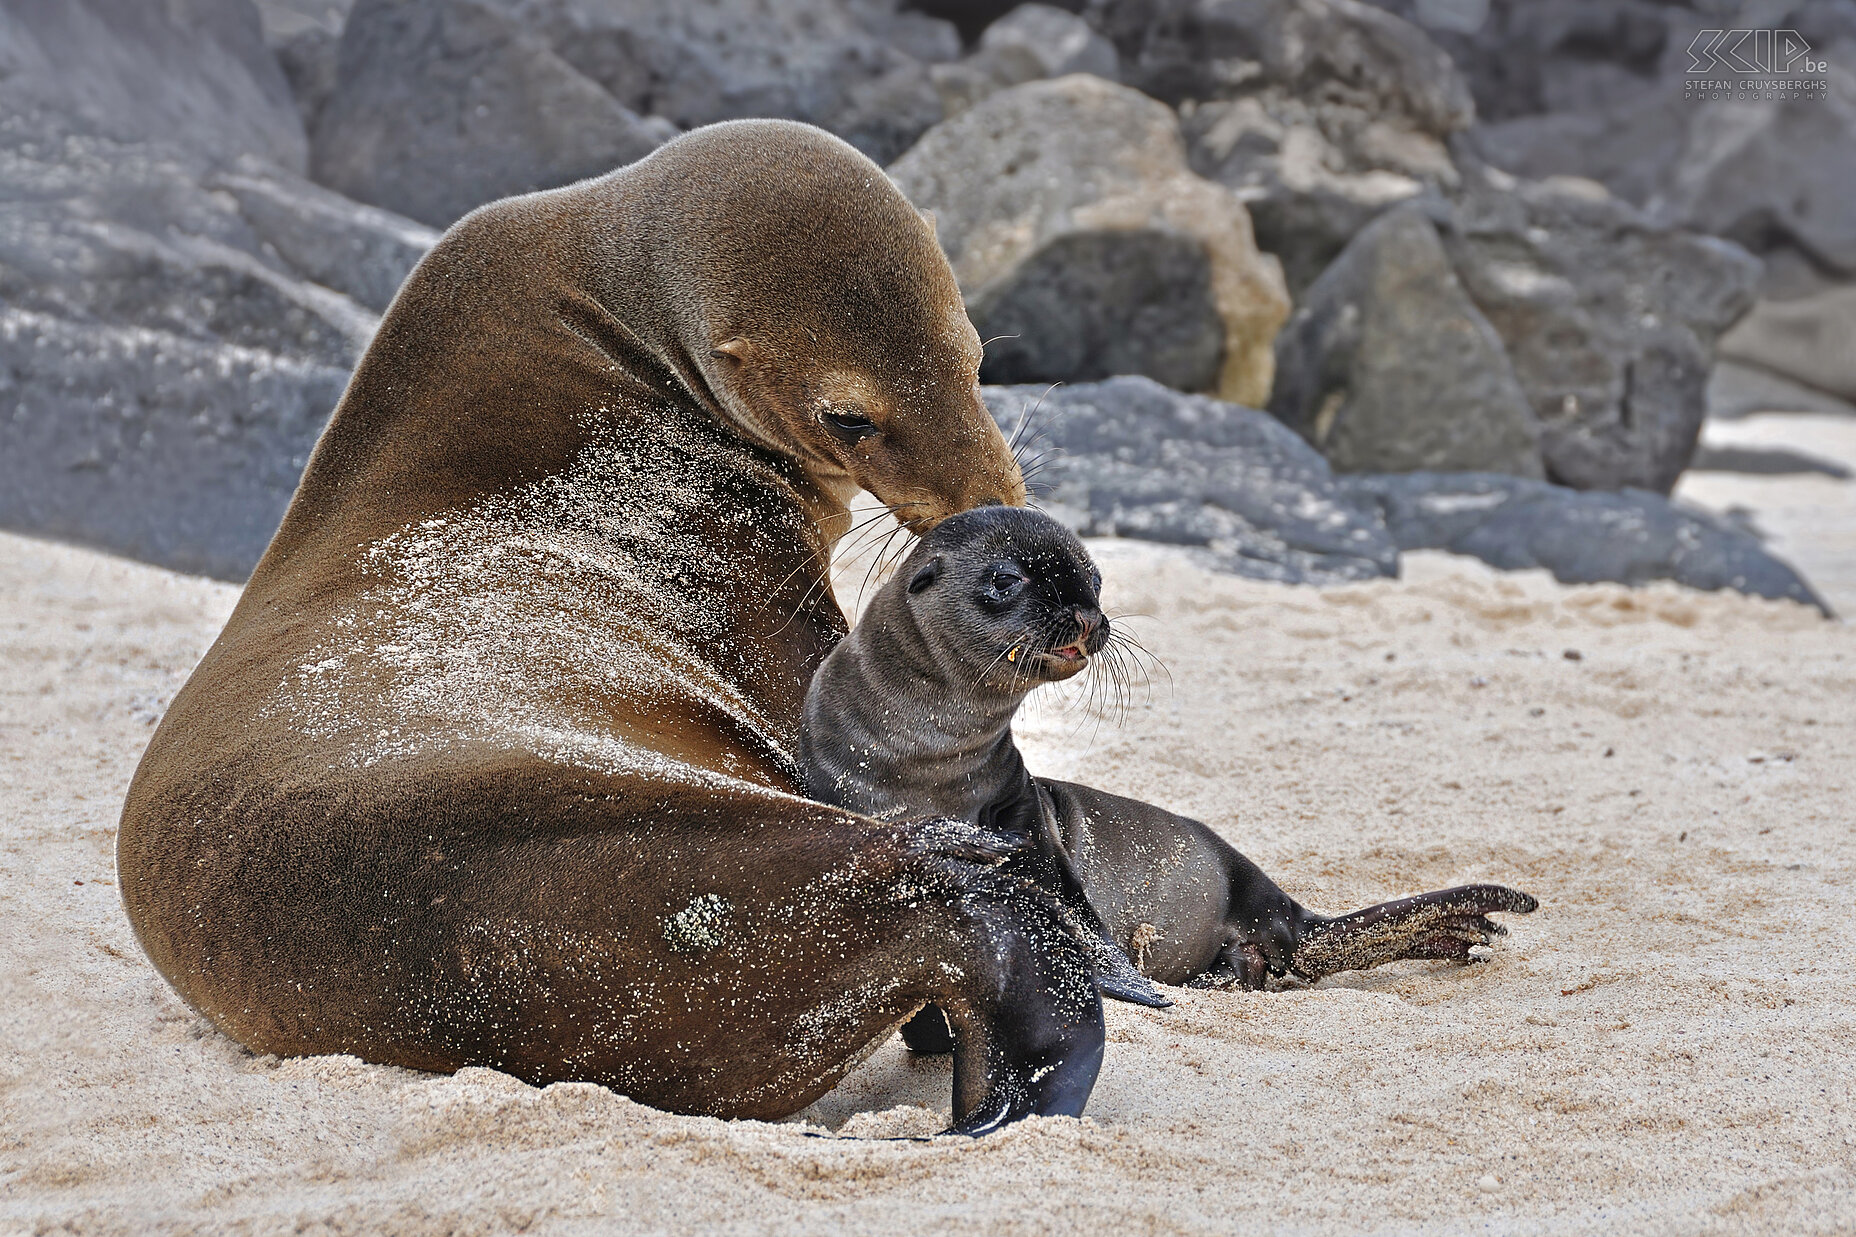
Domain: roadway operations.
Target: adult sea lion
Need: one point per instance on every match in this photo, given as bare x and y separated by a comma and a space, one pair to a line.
493, 762
911, 715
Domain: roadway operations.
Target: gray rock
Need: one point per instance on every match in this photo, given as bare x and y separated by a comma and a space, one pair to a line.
1633, 537
1086, 247
442, 105
1527, 57
1130, 458
1603, 89
284, 20
174, 450
1811, 340
1049, 42
856, 67
308, 59
1319, 114
124, 234
1033, 42
1388, 367
1736, 390
1608, 319
1460, 16
1772, 170
360, 251
163, 372
1338, 50
971, 17
175, 321
195, 75
1312, 173
883, 116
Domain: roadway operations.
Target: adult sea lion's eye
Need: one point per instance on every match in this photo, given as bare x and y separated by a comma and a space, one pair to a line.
850, 424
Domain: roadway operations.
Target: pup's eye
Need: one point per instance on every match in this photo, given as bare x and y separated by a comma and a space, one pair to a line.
1095, 581
1003, 582
850, 424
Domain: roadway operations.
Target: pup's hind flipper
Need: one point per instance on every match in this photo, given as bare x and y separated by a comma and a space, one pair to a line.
1443, 924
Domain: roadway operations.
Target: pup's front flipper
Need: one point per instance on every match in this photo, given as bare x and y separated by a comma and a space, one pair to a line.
1443, 924
1046, 862
1116, 977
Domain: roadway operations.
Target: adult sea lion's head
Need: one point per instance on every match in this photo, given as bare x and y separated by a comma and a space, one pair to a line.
826, 322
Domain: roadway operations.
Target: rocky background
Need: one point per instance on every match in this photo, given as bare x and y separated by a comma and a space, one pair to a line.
1323, 280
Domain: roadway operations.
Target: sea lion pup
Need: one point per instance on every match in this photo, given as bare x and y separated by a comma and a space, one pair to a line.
911, 714
494, 762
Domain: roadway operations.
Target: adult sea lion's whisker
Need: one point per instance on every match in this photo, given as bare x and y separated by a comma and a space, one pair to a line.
1024, 418
881, 563
811, 558
1029, 415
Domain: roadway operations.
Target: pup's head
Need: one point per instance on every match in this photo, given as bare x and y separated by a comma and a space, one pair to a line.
1008, 595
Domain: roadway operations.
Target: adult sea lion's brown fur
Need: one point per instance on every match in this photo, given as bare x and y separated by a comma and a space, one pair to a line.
492, 764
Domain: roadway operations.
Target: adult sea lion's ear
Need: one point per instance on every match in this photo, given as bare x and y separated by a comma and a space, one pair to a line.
736, 349
925, 576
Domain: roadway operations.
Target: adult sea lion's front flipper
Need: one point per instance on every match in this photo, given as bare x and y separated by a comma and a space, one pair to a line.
1033, 1043
1443, 924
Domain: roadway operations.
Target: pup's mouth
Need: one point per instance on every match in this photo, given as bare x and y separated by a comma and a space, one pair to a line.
1061, 663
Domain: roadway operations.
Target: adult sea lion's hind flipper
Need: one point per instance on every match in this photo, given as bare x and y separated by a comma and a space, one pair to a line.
1443, 924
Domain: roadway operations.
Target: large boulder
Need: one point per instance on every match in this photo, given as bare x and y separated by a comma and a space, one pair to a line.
1245, 494
1032, 42
195, 75
1339, 49
285, 19
971, 17
1768, 171
856, 67
176, 319
1312, 172
1607, 90
1086, 247
1319, 113
1608, 319
179, 451
1811, 340
1632, 537
323, 237
1131, 458
1736, 390
442, 105
1387, 366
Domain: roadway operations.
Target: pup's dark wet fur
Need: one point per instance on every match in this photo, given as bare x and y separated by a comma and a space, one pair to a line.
911, 716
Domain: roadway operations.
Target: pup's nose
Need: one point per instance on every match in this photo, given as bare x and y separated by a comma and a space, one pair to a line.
1088, 618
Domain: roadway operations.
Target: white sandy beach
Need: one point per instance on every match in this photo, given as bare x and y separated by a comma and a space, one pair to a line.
1667, 1046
